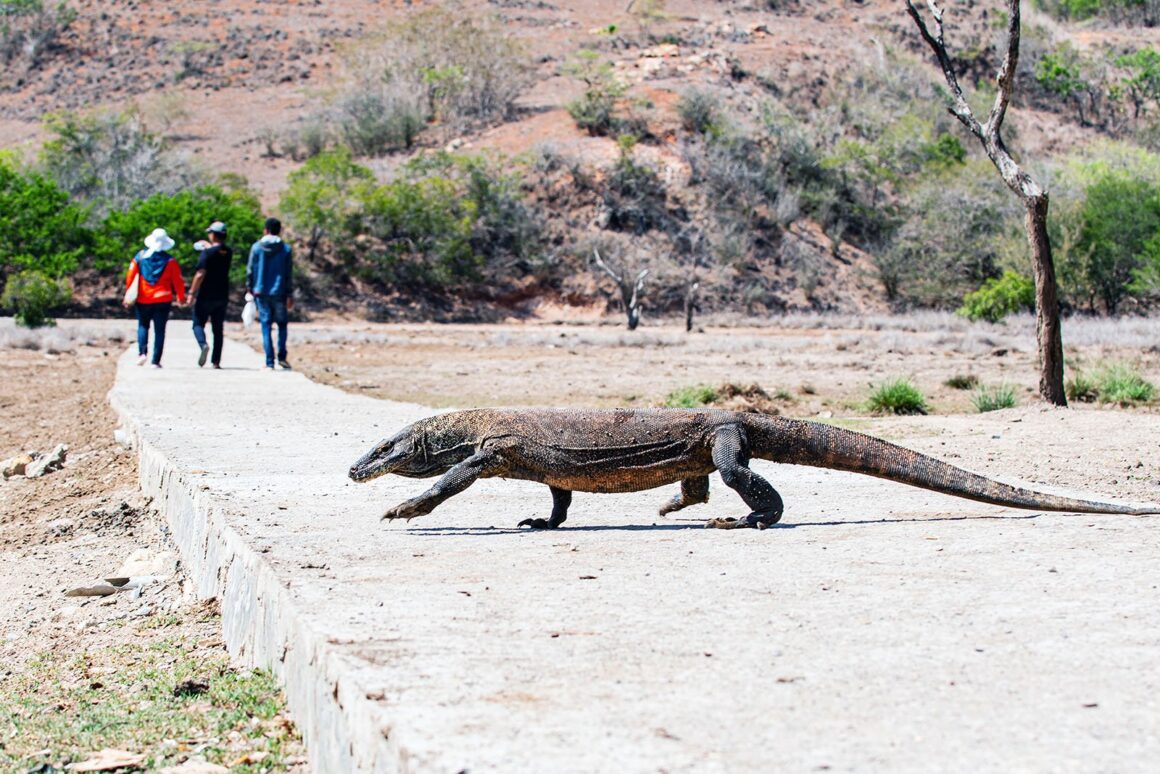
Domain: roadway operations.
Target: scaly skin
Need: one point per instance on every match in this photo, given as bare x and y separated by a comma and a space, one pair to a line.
629, 450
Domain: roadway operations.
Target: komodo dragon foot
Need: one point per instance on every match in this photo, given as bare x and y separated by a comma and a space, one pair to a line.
537, 524
752, 521
561, 499
407, 510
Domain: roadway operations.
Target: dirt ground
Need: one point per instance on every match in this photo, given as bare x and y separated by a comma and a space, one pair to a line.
80, 524
74, 527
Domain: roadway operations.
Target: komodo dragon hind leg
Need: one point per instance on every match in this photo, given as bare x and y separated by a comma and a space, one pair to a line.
561, 499
693, 491
731, 457
454, 481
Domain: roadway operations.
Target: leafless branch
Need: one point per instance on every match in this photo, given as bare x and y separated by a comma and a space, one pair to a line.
959, 107
630, 295
605, 267
1006, 77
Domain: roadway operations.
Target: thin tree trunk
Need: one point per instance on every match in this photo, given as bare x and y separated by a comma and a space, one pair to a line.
1032, 195
690, 305
1048, 331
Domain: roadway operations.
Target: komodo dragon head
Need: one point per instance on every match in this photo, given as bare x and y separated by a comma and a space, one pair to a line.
430, 447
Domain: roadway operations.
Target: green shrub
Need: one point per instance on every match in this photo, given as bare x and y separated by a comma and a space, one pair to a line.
993, 398
998, 298
184, 216
41, 229
962, 382
322, 196
418, 232
454, 70
375, 123
1060, 73
700, 111
897, 396
634, 197
596, 111
445, 220
32, 295
469, 67
1145, 12
1119, 215
1142, 84
945, 151
1081, 388
462, 216
1112, 383
691, 397
1122, 384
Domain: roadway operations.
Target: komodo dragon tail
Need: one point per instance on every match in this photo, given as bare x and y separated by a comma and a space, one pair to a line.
824, 446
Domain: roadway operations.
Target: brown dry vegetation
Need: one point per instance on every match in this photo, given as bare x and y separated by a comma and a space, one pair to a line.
231, 82
83, 673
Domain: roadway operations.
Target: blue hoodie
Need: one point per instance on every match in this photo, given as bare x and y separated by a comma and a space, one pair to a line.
268, 270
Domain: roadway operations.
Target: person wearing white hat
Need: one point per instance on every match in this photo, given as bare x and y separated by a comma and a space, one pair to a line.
157, 278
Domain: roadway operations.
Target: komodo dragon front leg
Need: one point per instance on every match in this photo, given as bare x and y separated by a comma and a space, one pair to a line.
454, 481
731, 456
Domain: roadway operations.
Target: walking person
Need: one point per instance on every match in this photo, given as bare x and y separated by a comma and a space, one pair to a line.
158, 279
269, 279
210, 291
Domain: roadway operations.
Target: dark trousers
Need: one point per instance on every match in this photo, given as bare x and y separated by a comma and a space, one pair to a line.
215, 314
272, 309
158, 315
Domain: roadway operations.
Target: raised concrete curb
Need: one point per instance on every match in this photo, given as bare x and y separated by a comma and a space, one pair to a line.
850, 639
264, 624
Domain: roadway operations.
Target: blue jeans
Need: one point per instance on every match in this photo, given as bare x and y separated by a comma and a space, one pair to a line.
272, 309
215, 315
158, 315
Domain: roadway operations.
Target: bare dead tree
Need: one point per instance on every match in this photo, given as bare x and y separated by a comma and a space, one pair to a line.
630, 291
1047, 324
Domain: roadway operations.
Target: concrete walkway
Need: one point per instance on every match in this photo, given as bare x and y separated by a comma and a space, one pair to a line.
882, 628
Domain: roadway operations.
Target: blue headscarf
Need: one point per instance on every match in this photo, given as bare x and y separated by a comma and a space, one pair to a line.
151, 263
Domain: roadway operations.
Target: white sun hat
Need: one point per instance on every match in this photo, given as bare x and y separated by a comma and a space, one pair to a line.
158, 240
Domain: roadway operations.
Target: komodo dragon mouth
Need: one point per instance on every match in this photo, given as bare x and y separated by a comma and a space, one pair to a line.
383, 459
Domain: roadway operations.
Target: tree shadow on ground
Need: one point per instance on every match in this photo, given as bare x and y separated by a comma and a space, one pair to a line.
681, 524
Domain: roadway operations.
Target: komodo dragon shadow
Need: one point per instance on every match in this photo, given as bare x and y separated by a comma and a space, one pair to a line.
629, 450
682, 524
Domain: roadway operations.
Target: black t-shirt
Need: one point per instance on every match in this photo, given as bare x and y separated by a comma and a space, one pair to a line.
215, 288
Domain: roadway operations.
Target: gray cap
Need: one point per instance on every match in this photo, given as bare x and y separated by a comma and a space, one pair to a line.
217, 227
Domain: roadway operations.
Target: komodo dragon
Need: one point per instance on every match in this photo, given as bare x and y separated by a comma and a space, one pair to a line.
629, 450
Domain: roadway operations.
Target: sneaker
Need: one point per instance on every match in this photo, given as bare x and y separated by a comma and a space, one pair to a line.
156, 365
204, 354
142, 359
284, 364
217, 366
269, 368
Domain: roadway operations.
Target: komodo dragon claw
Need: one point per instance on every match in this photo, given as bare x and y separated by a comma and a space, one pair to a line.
537, 524
753, 520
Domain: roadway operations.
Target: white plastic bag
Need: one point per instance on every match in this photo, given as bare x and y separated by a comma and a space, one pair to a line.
249, 311
130, 297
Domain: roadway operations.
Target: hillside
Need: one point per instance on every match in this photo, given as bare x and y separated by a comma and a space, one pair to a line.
234, 86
